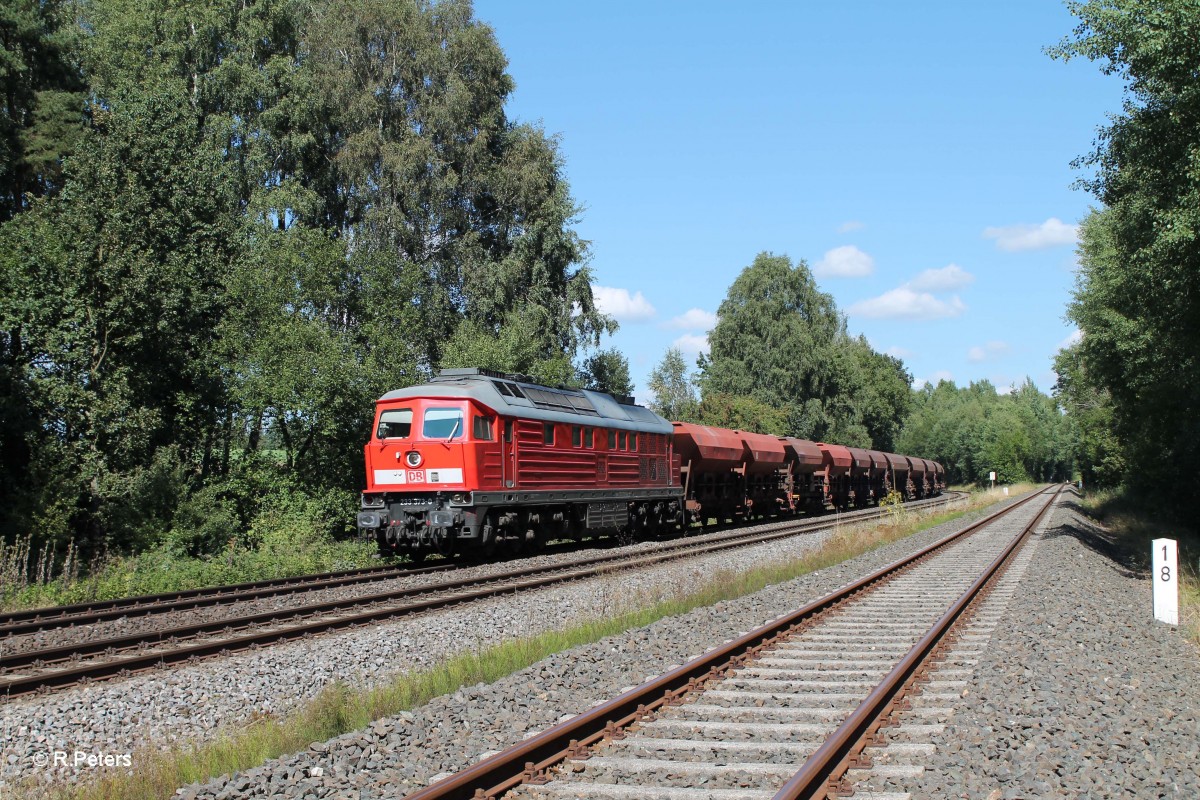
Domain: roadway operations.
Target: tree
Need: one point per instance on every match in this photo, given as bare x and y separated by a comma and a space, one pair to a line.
974, 430
41, 100
775, 341
279, 211
1089, 412
742, 413
115, 299
1139, 279
882, 393
673, 388
607, 371
782, 343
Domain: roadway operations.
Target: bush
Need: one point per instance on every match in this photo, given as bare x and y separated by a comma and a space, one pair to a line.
292, 534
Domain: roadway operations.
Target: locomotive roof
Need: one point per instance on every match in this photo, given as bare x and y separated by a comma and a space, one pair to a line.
507, 395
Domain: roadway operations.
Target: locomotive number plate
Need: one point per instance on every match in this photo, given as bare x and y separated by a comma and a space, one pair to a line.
407, 477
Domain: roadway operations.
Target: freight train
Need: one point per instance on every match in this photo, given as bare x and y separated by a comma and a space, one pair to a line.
475, 458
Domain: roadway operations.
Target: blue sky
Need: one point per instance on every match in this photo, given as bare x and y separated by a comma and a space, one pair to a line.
916, 155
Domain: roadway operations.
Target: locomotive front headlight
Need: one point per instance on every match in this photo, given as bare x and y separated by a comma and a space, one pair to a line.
413, 459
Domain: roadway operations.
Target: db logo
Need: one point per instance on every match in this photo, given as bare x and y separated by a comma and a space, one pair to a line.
416, 476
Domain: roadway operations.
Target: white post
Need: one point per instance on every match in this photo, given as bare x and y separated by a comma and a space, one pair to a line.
1165, 566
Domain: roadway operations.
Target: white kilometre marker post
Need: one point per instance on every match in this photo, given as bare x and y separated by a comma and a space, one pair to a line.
1165, 565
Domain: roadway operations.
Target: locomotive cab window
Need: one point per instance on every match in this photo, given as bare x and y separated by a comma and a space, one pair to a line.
547, 433
612, 440
633, 441
483, 429
622, 441
442, 423
395, 423
576, 436
587, 437
508, 428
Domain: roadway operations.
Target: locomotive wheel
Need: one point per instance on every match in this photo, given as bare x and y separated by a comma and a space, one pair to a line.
444, 545
489, 533
538, 536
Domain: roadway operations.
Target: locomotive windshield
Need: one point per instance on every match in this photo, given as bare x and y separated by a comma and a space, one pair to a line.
442, 423
395, 423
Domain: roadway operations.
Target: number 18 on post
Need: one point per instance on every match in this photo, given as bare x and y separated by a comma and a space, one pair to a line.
1165, 563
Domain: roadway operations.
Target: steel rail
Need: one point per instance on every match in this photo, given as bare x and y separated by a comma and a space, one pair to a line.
817, 776
17, 623
132, 653
527, 760
200, 598
141, 603
615, 560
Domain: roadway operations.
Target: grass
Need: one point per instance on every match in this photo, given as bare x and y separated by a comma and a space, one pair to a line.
340, 708
1130, 528
28, 581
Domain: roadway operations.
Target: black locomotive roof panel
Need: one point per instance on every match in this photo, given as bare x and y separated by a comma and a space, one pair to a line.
521, 398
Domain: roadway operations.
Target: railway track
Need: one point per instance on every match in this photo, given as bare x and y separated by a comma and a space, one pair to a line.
17, 623
26, 621
814, 688
24, 670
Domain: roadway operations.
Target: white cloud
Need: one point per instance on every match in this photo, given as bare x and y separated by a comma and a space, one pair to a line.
1003, 386
621, 305
696, 319
1074, 338
991, 350
691, 345
900, 352
846, 261
904, 303
934, 379
946, 279
1051, 233
850, 226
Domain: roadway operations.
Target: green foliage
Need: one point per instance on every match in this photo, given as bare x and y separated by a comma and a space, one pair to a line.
781, 343
112, 299
607, 371
1136, 299
41, 100
975, 430
209, 547
740, 412
275, 213
1089, 411
674, 389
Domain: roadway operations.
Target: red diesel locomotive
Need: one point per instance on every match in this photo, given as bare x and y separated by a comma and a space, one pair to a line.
473, 458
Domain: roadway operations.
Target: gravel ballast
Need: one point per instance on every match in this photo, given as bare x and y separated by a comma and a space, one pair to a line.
1083, 695
1080, 695
1039, 720
405, 752
193, 703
